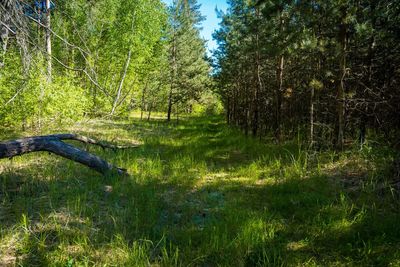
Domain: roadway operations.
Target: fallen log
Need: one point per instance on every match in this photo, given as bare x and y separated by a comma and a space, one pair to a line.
54, 144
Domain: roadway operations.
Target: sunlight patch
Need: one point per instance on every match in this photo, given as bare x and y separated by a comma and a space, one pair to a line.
8, 249
296, 245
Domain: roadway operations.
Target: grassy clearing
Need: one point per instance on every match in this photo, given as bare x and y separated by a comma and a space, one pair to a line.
200, 194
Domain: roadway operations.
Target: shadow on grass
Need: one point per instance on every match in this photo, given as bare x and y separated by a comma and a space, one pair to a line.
74, 206
297, 222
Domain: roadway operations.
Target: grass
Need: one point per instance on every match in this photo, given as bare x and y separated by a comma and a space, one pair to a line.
199, 194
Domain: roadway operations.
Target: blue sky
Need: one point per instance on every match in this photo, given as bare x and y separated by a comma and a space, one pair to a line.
211, 22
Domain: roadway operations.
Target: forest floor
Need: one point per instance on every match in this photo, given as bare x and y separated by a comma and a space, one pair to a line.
199, 194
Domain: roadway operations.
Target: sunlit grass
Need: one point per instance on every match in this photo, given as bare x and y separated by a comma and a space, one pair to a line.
199, 194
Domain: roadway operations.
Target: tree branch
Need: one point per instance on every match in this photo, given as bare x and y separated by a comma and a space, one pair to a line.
54, 144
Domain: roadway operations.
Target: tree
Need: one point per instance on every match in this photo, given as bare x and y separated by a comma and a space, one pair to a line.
100, 46
189, 69
281, 65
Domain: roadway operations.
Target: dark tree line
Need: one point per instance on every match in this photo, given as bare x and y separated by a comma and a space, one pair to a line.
329, 69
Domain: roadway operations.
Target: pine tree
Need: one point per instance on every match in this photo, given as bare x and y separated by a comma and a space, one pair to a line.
189, 69
330, 65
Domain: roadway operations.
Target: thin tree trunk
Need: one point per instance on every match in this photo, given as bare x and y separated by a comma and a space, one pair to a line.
228, 111
128, 60
173, 79
48, 42
4, 31
247, 120
169, 105
278, 95
341, 86
312, 93
48, 56
4, 42
278, 91
235, 105
312, 116
246, 114
143, 101
149, 111
258, 88
371, 53
41, 96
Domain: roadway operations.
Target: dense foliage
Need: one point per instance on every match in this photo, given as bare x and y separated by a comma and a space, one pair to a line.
331, 67
97, 58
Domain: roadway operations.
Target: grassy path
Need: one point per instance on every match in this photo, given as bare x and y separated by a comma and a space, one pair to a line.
201, 194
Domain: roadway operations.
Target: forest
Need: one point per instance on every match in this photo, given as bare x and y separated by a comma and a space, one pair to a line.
126, 140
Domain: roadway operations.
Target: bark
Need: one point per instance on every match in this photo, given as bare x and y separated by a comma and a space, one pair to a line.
228, 111
235, 104
48, 41
258, 88
118, 96
143, 104
4, 30
369, 63
173, 77
312, 117
4, 41
278, 95
149, 111
312, 92
55, 145
247, 115
169, 105
340, 105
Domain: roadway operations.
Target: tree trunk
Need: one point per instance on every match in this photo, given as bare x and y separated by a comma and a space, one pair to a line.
174, 70
228, 111
340, 105
48, 42
55, 144
246, 115
235, 109
278, 96
312, 116
149, 111
369, 63
258, 88
4, 42
142, 108
169, 105
4, 31
279, 76
128, 60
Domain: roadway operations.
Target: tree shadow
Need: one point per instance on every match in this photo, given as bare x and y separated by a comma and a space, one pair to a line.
74, 204
311, 220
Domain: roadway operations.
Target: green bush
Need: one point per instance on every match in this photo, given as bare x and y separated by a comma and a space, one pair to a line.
27, 99
64, 101
209, 104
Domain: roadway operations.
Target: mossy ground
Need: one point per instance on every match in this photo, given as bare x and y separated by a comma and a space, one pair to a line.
199, 194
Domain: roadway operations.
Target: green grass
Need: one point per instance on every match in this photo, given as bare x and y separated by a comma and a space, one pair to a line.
199, 194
